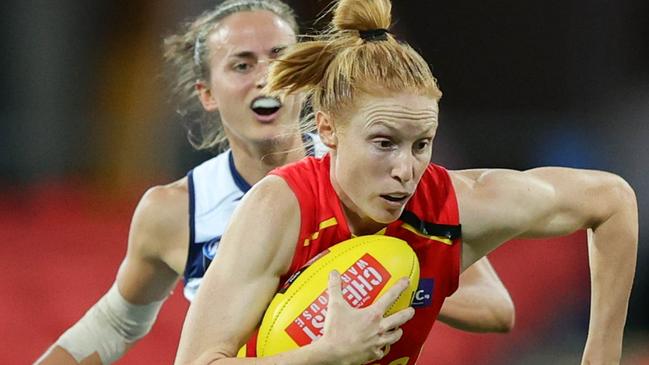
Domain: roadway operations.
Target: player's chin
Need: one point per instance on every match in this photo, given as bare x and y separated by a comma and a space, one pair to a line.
387, 216
278, 129
391, 209
272, 134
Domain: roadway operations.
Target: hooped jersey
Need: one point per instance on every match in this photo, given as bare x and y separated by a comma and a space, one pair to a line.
215, 189
429, 223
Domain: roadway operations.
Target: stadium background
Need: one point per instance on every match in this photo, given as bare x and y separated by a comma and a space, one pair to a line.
86, 124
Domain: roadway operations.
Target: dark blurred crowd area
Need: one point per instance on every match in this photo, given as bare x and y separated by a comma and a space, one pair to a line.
85, 100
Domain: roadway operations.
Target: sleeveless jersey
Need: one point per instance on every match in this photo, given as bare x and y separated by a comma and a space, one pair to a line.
429, 223
215, 189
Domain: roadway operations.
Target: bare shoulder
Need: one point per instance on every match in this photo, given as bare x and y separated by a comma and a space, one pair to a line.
173, 196
273, 210
271, 194
489, 190
160, 223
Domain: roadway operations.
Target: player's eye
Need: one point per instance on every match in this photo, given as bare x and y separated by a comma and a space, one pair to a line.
277, 51
242, 67
421, 145
383, 143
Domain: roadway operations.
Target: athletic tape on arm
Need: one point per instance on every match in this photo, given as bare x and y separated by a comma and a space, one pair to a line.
108, 327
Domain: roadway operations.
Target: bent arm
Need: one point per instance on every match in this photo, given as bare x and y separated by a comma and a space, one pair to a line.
481, 302
543, 202
242, 280
244, 276
256, 250
128, 310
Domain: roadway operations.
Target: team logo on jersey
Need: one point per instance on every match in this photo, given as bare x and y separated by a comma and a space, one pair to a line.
423, 297
209, 251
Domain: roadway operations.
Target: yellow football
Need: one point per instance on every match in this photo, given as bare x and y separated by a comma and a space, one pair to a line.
369, 266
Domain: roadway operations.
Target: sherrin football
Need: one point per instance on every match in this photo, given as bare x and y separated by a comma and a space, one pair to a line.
369, 266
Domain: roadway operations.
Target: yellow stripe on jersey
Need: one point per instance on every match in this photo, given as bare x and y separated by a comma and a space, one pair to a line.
439, 239
328, 223
323, 225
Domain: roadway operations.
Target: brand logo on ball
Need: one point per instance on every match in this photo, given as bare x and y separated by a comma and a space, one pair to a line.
361, 284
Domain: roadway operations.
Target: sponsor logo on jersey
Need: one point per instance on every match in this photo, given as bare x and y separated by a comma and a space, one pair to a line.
423, 297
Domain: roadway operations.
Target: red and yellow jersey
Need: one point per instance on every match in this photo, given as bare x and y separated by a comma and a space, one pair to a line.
429, 223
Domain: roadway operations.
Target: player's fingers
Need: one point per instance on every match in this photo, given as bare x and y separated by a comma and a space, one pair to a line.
378, 354
391, 337
334, 287
395, 320
390, 296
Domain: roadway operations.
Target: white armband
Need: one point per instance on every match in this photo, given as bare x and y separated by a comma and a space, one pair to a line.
107, 327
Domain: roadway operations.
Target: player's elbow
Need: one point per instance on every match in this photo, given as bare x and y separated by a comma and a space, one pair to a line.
625, 193
498, 309
617, 198
503, 316
494, 313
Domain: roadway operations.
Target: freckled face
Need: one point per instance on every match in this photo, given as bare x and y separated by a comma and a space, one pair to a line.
381, 154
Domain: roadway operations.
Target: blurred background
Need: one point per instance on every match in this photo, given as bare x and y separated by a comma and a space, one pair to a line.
87, 123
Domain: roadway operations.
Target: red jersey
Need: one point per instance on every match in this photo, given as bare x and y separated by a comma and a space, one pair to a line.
429, 223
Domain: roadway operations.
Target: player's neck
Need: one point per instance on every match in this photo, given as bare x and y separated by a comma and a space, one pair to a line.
254, 161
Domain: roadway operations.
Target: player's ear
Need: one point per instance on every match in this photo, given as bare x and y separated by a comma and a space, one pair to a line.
206, 97
326, 129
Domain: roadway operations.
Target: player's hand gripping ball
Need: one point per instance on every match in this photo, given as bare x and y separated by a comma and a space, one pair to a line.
369, 266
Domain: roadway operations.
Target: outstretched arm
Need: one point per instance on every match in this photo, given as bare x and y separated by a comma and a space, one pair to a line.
500, 205
481, 302
154, 260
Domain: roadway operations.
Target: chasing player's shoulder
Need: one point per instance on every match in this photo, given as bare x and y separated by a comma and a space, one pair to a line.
161, 213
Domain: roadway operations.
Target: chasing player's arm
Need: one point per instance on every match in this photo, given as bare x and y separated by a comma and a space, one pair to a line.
502, 204
154, 261
481, 302
158, 244
256, 250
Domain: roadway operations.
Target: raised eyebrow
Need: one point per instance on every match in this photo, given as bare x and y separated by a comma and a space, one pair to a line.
244, 54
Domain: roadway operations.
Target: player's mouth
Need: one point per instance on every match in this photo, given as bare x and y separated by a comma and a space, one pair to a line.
395, 199
265, 108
